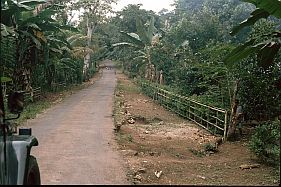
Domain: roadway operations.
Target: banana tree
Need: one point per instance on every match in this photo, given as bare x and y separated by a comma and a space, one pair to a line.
142, 42
266, 51
34, 32
14, 23
80, 49
78, 41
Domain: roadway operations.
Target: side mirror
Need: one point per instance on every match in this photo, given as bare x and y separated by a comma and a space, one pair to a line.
15, 102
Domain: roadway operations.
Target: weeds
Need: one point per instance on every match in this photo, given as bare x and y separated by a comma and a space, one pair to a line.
208, 149
121, 138
265, 143
198, 153
128, 88
32, 109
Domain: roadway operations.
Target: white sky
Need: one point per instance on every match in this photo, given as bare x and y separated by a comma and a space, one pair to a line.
155, 5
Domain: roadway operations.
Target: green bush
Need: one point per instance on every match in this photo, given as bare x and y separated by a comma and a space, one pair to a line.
265, 142
210, 147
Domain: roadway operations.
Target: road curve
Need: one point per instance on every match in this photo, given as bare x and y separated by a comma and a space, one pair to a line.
76, 140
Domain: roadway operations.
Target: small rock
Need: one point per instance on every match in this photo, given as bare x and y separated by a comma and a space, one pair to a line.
141, 153
161, 123
142, 170
146, 132
202, 177
136, 182
169, 138
158, 174
151, 153
249, 166
137, 177
117, 127
131, 121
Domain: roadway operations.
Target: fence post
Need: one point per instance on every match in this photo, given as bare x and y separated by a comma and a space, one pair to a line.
225, 126
208, 118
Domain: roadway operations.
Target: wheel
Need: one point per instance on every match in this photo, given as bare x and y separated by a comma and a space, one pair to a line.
33, 173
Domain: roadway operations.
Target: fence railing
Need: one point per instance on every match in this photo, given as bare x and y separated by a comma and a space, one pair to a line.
32, 96
210, 118
58, 86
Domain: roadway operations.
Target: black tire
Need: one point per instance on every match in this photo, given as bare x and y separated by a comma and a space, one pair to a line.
33, 173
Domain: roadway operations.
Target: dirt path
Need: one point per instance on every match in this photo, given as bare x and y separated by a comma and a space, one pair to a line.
76, 141
154, 141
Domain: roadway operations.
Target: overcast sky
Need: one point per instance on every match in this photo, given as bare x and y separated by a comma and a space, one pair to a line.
155, 5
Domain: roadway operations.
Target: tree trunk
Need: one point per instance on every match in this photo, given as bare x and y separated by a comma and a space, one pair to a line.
233, 119
2, 111
87, 59
152, 78
149, 65
146, 71
161, 79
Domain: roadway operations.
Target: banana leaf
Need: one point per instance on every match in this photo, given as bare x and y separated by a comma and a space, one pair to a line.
265, 8
5, 79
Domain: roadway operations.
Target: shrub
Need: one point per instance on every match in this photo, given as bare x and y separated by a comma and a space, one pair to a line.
210, 147
265, 142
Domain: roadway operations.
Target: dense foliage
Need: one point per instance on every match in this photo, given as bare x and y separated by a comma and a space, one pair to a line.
42, 47
265, 143
194, 41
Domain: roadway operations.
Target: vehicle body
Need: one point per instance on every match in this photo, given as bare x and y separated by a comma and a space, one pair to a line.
17, 166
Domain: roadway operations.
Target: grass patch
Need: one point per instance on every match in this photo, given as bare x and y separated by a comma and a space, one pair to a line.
198, 153
129, 88
32, 109
124, 138
117, 107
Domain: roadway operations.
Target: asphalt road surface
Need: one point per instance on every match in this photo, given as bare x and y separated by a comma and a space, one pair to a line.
76, 138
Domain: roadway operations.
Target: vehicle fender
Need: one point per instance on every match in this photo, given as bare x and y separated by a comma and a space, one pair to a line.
17, 157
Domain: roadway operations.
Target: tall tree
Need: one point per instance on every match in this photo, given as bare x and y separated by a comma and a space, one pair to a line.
94, 13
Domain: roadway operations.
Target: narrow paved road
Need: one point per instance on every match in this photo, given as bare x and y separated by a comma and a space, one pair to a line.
76, 140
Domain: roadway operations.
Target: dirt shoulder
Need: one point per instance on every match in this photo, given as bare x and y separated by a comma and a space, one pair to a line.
162, 148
